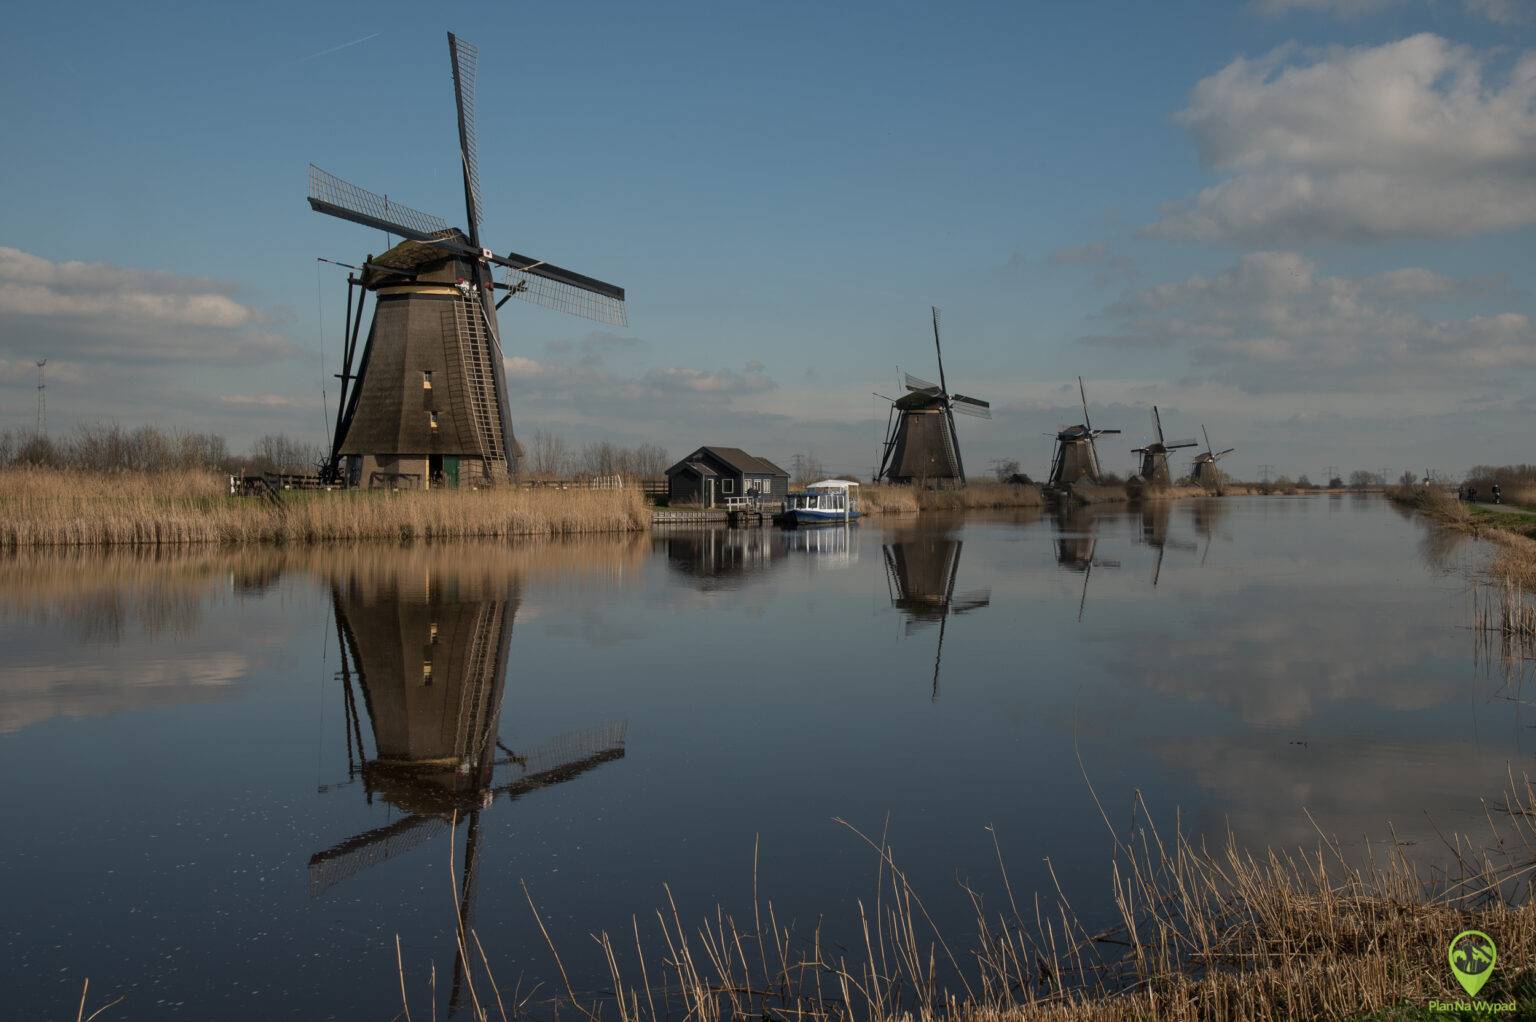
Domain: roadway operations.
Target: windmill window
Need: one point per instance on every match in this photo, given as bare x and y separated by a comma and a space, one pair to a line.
432, 419
426, 380
426, 673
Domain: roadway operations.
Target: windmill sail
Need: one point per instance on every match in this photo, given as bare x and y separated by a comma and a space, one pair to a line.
330, 194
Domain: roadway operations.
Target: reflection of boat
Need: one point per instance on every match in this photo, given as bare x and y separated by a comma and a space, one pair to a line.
728, 558
829, 502
429, 658
827, 547
920, 576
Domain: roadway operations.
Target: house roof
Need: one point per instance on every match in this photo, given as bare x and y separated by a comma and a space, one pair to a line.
742, 462
696, 467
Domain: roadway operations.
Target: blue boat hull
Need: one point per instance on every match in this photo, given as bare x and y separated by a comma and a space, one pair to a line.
805, 516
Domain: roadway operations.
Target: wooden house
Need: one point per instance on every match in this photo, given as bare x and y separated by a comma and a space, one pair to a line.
711, 476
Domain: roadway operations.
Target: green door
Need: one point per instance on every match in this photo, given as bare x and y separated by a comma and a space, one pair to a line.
451, 469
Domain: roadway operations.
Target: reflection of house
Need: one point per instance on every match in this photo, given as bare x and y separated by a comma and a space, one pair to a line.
429, 658
722, 558
711, 475
920, 575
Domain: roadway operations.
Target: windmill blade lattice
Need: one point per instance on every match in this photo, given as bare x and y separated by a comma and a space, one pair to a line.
466, 59
531, 287
330, 194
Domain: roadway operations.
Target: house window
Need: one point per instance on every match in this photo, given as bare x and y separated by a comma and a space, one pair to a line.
728, 486
426, 379
765, 485
432, 419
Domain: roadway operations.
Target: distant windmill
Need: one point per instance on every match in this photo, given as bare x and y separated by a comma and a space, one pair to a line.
1154, 456
920, 443
428, 399
1205, 471
1076, 458
920, 576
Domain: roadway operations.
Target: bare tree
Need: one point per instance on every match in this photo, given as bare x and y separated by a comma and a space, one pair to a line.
549, 456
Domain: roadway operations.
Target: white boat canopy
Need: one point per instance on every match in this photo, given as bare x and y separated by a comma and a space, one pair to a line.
832, 484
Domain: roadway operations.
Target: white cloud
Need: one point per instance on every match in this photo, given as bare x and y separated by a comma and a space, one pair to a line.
1419, 137
1500, 12
1274, 322
120, 314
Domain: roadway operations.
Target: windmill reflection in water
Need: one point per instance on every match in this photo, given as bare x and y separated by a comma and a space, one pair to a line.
427, 661
920, 576
1077, 547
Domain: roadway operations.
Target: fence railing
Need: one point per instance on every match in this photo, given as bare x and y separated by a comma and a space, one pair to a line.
650, 487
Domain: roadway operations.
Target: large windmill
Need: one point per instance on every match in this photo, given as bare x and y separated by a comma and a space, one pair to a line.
1205, 471
1076, 458
1154, 456
920, 444
920, 576
426, 399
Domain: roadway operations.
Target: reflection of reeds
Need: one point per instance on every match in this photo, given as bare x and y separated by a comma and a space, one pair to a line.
46, 507
99, 592
1201, 935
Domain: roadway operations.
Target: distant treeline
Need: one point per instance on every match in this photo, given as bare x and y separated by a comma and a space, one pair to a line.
147, 449
549, 456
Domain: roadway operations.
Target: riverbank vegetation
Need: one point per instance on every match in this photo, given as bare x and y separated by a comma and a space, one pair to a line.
886, 499
67, 507
1196, 934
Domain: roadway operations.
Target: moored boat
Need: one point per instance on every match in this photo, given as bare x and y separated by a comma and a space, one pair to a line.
829, 502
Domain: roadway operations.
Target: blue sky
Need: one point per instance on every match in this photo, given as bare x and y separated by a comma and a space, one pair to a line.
784, 190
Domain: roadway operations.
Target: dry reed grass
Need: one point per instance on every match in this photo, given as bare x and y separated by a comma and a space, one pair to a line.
1090, 493
1201, 935
47, 507
887, 499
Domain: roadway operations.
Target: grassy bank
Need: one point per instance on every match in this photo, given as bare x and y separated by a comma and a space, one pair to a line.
885, 499
51, 507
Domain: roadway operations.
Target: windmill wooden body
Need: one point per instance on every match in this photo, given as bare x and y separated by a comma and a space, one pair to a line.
1205, 471
920, 442
1076, 455
920, 576
1154, 456
424, 400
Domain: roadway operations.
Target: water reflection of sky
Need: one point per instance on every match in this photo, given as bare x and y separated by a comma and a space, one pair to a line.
176, 731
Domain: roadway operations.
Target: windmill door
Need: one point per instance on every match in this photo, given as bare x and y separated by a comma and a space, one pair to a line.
451, 469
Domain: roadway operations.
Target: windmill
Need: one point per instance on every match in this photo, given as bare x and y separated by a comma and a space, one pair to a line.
1205, 472
920, 443
426, 400
428, 666
1154, 456
920, 577
1076, 457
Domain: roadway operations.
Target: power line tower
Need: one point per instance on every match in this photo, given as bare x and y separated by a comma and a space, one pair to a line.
42, 398
1265, 470
1330, 473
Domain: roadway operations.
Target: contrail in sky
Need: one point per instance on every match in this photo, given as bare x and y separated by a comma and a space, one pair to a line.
343, 46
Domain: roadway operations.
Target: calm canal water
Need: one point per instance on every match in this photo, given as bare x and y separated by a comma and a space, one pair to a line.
228, 776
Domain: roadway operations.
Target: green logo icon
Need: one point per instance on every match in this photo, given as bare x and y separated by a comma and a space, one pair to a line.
1472, 956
